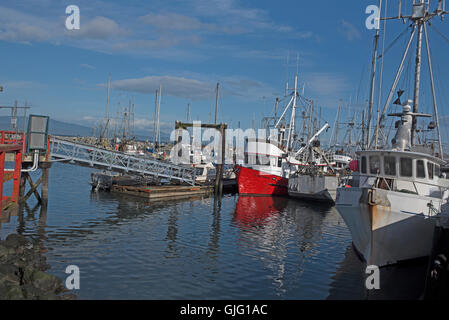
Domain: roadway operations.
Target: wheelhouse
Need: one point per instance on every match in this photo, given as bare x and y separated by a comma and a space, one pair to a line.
401, 171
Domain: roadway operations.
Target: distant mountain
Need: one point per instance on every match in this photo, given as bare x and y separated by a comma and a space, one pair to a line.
55, 127
60, 128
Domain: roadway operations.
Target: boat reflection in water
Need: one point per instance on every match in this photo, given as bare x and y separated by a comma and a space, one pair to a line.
288, 239
397, 282
257, 211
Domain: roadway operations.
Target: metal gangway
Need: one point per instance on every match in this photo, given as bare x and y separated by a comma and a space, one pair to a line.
86, 155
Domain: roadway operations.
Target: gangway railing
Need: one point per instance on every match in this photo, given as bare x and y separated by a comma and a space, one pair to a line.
86, 155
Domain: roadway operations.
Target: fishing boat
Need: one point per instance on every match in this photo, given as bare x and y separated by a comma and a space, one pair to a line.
317, 178
391, 211
268, 162
268, 177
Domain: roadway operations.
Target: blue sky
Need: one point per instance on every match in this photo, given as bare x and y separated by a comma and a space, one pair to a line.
187, 46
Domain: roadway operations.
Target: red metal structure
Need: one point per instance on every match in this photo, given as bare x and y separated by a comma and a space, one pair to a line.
8, 175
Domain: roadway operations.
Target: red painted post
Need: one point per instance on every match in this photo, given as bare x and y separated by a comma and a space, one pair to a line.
16, 176
2, 168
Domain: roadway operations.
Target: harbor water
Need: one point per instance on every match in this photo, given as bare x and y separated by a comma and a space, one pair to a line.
200, 248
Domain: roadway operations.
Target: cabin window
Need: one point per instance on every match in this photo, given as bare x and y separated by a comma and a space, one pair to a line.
263, 160
279, 162
374, 164
406, 167
390, 165
251, 159
430, 169
363, 165
437, 171
420, 171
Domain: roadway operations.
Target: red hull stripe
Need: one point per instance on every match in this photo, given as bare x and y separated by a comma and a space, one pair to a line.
252, 181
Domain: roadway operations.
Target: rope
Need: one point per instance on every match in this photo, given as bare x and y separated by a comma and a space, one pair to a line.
393, 42
439, 33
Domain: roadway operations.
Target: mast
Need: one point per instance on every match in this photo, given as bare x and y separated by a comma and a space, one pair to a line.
276, 110
335, 131
420, 23
373, 80
419, 17
216, 102
154, 119
158, 119
292, 119
188, 112
106, 126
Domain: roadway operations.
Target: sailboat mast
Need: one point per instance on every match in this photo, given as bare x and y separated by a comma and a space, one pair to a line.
292, 119
154, 118
420, 23
373, 80
107, 108
158, 119
216, 102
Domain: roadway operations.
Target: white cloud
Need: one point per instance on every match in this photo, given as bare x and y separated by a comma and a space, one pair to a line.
21, 27
21, 84
87, 66
173, 86
175, 21
98, 28
349, 31
195, 89
327, 84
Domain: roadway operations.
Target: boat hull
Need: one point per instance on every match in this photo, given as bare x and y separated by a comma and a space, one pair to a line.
386, 228
255, 182
316, 188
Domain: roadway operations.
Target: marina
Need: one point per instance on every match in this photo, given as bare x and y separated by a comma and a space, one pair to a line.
314, 200
270, 248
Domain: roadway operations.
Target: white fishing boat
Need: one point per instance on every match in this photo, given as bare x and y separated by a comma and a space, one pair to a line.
318, 176
391, 211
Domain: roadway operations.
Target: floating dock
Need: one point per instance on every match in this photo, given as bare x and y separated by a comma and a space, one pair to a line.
163, 192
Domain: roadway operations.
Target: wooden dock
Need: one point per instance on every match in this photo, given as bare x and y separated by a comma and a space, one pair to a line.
163, 192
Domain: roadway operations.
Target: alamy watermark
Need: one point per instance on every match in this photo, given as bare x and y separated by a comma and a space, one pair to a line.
207, 145
372, 282
373, 20
72, 22
73, 280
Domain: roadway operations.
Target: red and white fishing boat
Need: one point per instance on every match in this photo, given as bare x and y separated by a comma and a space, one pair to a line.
265, 171
268, 163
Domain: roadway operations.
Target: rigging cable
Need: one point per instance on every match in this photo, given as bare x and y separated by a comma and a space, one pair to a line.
393, 42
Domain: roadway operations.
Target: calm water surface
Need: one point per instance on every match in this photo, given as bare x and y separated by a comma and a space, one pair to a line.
202, 248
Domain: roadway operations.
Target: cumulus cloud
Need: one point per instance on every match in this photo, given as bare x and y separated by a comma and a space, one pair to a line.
21, 27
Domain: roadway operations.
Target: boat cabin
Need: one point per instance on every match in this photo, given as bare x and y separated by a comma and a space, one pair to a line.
402, 171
